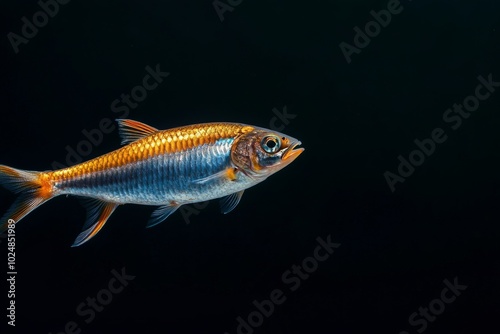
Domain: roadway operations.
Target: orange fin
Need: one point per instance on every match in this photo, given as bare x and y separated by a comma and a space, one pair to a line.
97, 215
32, 193
131, 131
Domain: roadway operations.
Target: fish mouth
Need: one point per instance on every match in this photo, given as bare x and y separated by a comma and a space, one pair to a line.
292, 152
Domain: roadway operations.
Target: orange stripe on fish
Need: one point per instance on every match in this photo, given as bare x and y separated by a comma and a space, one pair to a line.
146, 142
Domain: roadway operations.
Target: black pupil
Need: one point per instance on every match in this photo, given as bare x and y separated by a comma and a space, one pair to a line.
271, 143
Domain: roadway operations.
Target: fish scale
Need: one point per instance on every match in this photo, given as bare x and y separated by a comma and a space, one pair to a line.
166, 149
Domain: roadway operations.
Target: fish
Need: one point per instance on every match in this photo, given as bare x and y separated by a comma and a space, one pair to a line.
163, 168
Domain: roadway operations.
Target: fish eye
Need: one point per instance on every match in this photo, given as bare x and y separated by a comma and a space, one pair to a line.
271, 144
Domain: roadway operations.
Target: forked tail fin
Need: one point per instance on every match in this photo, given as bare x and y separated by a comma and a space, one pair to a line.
32, 189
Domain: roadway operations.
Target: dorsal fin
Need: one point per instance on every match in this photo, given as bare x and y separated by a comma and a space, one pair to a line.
131, 131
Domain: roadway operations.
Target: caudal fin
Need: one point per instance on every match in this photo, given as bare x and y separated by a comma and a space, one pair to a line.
32, 191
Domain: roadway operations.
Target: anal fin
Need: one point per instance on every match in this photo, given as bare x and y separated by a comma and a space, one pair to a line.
97, 215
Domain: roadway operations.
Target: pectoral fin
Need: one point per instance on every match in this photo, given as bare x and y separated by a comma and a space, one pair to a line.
161, 214
98, 213
228, 203
228, 174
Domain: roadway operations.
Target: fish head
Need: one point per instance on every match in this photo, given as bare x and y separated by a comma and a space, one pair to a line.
260, 152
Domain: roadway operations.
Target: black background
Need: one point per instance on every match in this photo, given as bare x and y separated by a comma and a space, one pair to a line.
354, 121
